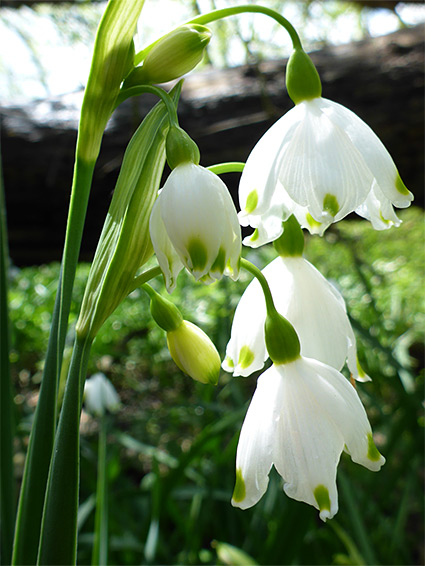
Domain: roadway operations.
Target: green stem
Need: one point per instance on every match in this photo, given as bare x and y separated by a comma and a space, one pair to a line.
233, 11
248, 266
8, 486
100, 545
44, 425
58, 539
144, 89
229, 167
145, 277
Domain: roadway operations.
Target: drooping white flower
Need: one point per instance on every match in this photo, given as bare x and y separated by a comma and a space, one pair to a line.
319, 162
194, 223
311, 304
100, 395
302, 416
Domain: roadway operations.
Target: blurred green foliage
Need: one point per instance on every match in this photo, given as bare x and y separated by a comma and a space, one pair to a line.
171, 449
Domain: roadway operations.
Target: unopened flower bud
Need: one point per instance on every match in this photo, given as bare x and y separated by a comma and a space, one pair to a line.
194, 353
172, 56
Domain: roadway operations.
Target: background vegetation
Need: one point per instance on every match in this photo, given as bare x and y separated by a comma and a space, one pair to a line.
171, 447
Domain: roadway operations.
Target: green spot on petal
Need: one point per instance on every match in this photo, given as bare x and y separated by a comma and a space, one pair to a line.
360, 370
251, 202
230, 362
400, 186
384, 220
372, 452
312, 221
198, 254
220, 261
246, 357
254, 235
330, 204
321, 495
239, 492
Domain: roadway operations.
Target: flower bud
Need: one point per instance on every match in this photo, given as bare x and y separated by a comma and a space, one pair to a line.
194, 353
165, 314
302, 78
100, 395
172, 56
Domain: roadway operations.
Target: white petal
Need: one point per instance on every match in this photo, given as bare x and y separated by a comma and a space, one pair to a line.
379, 210
321, 160
246, 350
307, 445
339, 399
168, 259
372, 149
254, 453
313, 306
259, 175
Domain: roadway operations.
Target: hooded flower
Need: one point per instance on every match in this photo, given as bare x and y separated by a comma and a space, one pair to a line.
302, 416
319, 162
100, 395
194, 223
311, 304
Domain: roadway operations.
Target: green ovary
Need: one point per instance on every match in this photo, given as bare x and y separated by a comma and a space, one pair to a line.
330, 204
246, 357
239, 492
198, 254
321, 495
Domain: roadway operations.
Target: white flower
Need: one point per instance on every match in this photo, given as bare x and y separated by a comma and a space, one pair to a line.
302, 416
311, 304
319, 162
194, 223
100, 395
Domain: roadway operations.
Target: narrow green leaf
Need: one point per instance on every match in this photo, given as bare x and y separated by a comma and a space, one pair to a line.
100, 545
8, 487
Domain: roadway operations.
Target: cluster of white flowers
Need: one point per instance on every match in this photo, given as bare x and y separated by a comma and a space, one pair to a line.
316, 165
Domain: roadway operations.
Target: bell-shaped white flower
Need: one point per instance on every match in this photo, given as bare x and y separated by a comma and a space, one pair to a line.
100, 395
302, 416
319, 162
312, 305
194, 223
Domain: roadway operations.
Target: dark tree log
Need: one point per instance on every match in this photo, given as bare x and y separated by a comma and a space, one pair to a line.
226, 112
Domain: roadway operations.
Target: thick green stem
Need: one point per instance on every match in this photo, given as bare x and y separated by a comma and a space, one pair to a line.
229, 167
100, 545
145, 277
233, 11
58, 540
43, 430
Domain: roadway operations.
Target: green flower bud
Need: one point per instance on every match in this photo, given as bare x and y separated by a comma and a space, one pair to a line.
180, 148
163, 311
194, 353
302, 78
172, 56
291, 242
282, 341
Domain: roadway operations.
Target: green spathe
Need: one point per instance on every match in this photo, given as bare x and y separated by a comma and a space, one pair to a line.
282, 340
302, 78
180, 148
291, 242
125, 245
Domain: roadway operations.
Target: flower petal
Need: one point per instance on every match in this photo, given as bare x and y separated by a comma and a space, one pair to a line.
168, 259
254, 454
